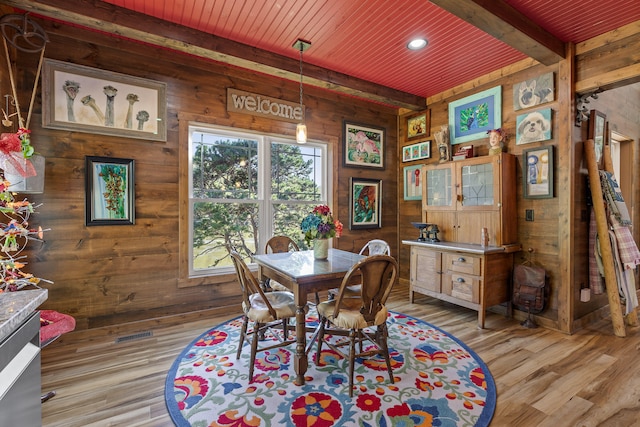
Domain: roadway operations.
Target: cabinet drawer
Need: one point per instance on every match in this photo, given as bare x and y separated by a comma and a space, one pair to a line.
463, 287
462, 263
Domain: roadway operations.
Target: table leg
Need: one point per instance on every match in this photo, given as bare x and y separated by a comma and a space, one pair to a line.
300, 361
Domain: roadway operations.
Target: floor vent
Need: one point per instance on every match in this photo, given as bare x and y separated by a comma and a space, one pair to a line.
133, 337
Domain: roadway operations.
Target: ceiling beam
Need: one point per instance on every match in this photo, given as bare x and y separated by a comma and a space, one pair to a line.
497, 18
104, 17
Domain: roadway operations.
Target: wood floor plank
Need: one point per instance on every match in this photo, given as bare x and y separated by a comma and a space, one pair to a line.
543, 377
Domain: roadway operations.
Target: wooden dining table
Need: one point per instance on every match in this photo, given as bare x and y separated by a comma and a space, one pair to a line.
303, 274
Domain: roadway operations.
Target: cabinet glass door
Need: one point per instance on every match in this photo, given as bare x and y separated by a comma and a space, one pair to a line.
477, 184
438, 188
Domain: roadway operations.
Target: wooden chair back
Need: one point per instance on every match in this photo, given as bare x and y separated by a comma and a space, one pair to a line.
248, 283
279, 244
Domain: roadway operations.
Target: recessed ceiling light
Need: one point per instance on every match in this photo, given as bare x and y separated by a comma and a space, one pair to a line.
416, 44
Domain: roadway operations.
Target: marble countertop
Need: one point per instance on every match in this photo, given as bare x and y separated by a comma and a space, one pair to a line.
16, 307
462, 247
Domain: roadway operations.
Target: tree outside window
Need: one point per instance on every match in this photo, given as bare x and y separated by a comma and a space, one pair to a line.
244, 188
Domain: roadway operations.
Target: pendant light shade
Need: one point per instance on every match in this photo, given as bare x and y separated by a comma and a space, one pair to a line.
301, 128
301, 133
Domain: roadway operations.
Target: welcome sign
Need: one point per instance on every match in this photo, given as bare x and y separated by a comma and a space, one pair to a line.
259, 105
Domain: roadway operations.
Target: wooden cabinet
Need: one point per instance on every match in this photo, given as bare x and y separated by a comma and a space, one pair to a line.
468, 275
464, 196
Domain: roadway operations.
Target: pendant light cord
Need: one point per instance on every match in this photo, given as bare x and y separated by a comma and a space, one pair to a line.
301, 108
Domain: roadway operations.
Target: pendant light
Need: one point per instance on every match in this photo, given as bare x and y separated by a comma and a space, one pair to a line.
301, 128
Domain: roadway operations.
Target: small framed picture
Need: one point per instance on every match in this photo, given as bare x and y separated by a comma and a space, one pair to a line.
597, 122
417, 151
365, 198
110, 191
413, 182
537, 172
363, 145
418, 125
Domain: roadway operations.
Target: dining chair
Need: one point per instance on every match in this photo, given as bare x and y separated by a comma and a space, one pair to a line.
358, 317
372, 247
280, 244
267, 311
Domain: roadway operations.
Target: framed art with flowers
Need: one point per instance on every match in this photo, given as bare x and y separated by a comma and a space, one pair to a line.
110, 194
365, 198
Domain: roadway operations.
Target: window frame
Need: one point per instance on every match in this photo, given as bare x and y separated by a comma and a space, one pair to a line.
189, 277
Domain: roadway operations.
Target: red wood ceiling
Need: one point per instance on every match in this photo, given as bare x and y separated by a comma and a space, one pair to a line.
366, 39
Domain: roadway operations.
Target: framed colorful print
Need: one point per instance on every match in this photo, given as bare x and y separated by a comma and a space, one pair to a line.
363, 145
84, 99
534, 126
365, 198
538, 172
413, 182
418, 125
597, 122
417, 151
110, 191
470, 118
534, 92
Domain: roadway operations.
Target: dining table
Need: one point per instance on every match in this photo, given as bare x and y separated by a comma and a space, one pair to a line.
303, 274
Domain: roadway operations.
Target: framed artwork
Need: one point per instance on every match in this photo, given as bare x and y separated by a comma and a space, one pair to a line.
110, 191
533, 127
413, 182
84, 99
363, 145
470, 118
418, 125
365, 198
417, 151
538, 172
596, 132
534, 92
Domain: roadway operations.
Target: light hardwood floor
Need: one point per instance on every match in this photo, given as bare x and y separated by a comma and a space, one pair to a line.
543, 378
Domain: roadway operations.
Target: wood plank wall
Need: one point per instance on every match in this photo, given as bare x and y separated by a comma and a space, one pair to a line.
541, 235
107, 275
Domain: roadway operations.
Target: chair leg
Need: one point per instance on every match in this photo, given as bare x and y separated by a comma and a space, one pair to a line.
254, 349
381, 331
285, 327
320, 338
352, 358
47, 396
243, 332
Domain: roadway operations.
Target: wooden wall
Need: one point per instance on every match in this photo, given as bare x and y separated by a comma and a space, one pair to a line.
558, 236
108, 275
540, 235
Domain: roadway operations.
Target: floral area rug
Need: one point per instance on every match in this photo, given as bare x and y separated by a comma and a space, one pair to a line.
438, 382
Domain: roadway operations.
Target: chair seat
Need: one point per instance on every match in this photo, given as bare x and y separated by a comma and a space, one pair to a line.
277, 286
53, 324
282, 302
349, 316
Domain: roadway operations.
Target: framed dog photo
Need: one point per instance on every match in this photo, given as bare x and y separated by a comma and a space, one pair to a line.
538, 173
365, 196
533, 127
531, 93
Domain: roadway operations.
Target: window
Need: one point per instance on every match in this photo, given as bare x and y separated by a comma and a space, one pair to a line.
245, 187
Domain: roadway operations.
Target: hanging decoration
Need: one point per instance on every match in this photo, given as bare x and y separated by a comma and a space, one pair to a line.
24, 35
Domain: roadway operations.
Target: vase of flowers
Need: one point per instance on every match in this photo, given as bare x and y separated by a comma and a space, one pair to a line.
319, 226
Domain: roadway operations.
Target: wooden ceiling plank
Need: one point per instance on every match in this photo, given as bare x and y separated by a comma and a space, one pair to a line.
125, 23
497, 18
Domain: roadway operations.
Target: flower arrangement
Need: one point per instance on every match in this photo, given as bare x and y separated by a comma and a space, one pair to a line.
319, 224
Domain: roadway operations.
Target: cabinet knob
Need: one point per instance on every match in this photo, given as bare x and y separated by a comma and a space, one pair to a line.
460, 280
461, 259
